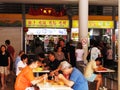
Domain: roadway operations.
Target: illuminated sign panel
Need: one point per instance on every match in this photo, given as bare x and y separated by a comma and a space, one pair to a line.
46, 31
95, 24
47, 23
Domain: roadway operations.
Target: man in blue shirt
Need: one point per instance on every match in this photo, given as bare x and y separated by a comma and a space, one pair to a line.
74, 79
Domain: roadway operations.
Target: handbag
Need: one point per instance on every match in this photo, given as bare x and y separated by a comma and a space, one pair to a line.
88, 56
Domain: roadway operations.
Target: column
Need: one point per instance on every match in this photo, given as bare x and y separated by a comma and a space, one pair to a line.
118, 44
83, 24
113, 31
24, 25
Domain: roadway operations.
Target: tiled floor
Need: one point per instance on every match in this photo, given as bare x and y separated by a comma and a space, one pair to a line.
111, 81
10, 84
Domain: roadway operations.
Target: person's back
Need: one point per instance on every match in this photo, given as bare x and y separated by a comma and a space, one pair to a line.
79, 54
18, 58
89, 69
95, 52
79, 80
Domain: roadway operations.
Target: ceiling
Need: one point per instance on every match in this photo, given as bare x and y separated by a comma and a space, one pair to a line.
91, 2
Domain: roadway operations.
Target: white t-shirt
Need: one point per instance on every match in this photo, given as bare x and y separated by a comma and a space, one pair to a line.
79, 54
94, 53
20, 64
89, 69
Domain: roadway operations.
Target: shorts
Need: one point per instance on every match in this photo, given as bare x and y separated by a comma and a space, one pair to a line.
4, 70
92, 78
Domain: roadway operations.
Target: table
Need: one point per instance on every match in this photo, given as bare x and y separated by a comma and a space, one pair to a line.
39, 72
109, 71
49, 86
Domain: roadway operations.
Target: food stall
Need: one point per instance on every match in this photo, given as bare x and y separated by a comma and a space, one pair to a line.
45, 33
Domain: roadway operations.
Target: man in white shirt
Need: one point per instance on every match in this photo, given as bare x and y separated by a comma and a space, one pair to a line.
21, 64
95, 52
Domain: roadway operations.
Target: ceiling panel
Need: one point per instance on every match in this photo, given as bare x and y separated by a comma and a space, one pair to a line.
91, 2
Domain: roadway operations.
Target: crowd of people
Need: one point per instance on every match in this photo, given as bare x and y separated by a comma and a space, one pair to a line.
64, 62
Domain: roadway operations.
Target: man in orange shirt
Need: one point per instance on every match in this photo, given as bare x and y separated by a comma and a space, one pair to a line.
26, 77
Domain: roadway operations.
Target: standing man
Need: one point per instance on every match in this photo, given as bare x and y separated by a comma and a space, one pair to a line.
11, 51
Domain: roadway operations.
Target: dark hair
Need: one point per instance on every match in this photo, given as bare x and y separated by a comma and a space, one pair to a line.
60, 41
98, 59
7, 42
95, 44
52, 53
79, 45
3, 46
42, 55
30, 61
57, 47
24, 56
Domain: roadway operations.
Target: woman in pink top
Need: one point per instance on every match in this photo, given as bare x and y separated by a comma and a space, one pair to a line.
79, 52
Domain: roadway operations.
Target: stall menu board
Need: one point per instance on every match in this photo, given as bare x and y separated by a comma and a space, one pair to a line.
47, 23
46, 31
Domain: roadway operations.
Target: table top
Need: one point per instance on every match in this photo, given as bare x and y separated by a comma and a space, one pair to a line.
53, 86
106, 70
40, 70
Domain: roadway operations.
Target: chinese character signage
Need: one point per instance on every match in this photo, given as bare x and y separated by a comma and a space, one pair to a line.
47, 23
95, 24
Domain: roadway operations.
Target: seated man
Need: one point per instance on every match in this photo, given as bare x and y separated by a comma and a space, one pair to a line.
44, 61
89, 74
72, 77
26, 79
21, 64
54, 63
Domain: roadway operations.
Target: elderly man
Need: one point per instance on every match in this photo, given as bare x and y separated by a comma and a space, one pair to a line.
75, 78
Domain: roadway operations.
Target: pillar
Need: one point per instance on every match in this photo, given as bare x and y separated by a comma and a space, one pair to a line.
83, 24
23, 25
118, 44
113, 31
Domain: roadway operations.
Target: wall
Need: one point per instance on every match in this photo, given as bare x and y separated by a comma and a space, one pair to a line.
14, 34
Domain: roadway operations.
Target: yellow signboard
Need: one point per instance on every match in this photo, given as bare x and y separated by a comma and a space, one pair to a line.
47, 23
95, 24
